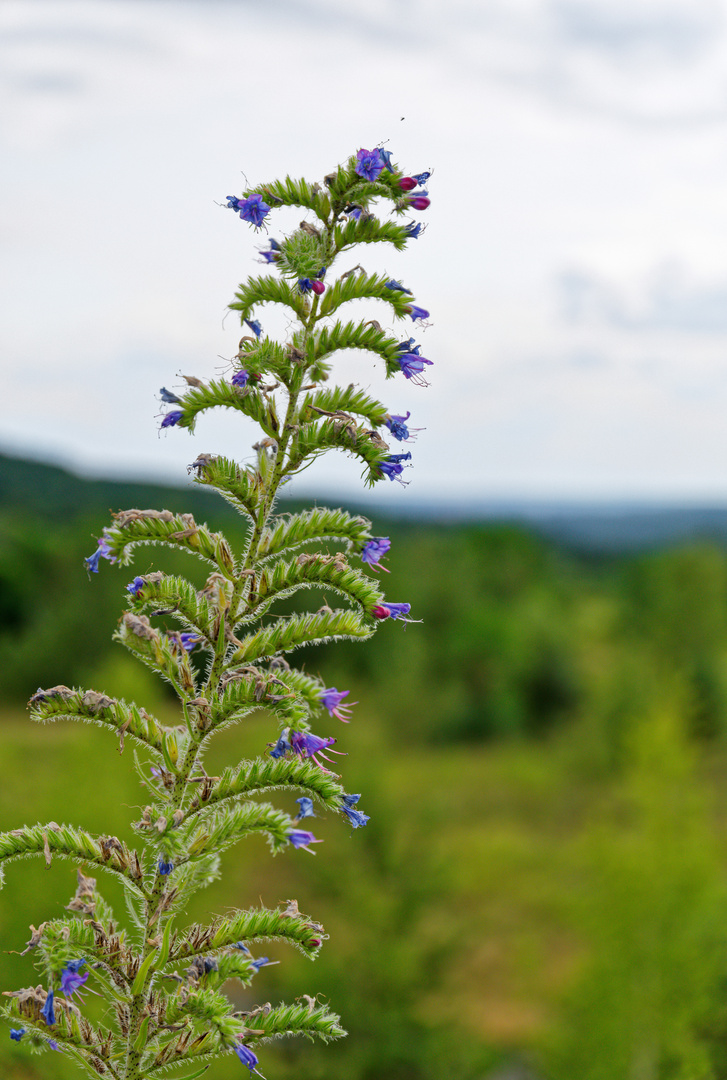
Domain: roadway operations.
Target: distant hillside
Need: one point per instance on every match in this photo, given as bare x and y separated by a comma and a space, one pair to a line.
50, 492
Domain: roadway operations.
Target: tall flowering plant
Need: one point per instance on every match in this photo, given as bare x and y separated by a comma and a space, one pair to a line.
163, 980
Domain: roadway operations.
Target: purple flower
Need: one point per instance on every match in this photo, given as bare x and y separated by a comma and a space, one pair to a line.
417, 312
281, 747
17, 1033
369, 164
419, 202
385, 156
350, 800
240, 378
71, 981
301, 839
254, 326
135, 586
397, 286
75, 965
172, 418
168, 397
305, 284
103, 551
413, 229
355, 212
164, 867
374, 550
253, 209
394, 611
331, 699
306, 807
306, 744
189, 641
47, 1012
391, 466
413, 365
247, 1057
356, 817
397, 427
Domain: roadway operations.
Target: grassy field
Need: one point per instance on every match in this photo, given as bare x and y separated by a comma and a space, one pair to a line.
512, 901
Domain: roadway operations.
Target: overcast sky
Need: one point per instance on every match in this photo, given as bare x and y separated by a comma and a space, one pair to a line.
575, 261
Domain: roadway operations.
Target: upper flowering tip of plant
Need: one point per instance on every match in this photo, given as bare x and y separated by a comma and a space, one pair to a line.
374, 550
172, 418
103, 551
332, 698
168, 397
251, 209
391, 611
134, 587
397, 286
299, 838
369, 164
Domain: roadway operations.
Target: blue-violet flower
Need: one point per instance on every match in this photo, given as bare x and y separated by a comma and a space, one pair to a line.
168, 397
374, 550
301, 839
369, 164
394, 611
417, 312
253, 209
164, 867
306, 807
240, 378
47, 1012
397, 286
254, 326
247, 1057
172, 418
134, 587
17, 1033
103, 551
331, 699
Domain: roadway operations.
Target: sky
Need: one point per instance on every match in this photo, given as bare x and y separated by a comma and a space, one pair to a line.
574, 261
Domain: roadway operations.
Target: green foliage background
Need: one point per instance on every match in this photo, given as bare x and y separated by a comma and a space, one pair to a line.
542, 884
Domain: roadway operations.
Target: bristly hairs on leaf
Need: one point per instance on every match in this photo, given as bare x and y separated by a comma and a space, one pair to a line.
226, 656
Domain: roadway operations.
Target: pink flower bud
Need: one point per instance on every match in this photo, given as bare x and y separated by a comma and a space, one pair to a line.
408, 183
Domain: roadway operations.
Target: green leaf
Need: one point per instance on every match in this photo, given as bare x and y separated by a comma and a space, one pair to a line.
353, 335
369, 231
221, 394
142, 973
314, 571
134, 527
229, 824
361, 287
269, 290
348, 399
291, 532
242, 488
267, 774
315, 438
243, 693
284, 635
251, 926
61, 703
162, 593
69, 842
291, 192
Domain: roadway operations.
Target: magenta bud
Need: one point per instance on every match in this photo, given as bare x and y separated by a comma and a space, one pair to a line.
318, 287
420, 202
407, 183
